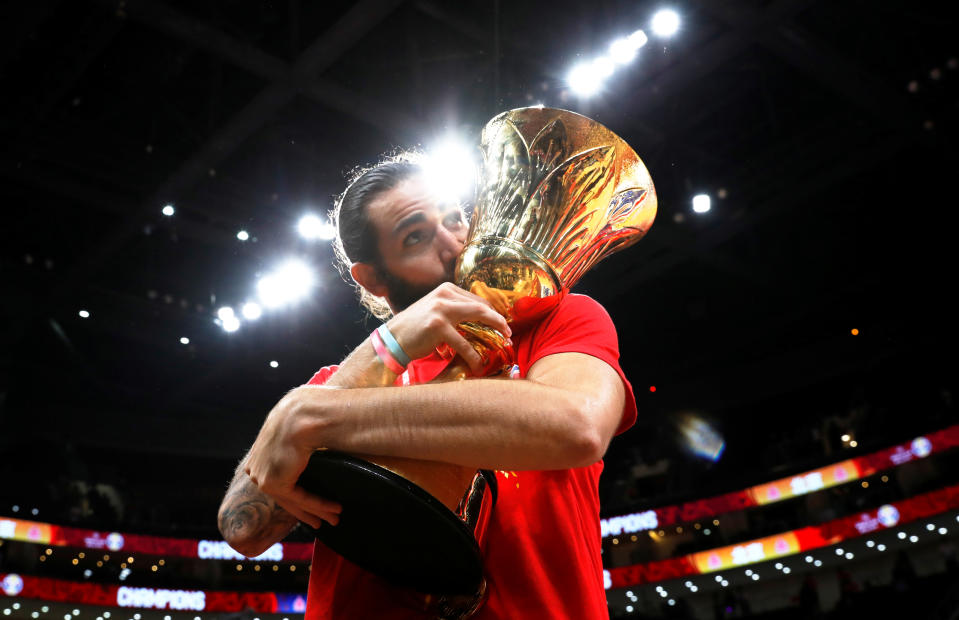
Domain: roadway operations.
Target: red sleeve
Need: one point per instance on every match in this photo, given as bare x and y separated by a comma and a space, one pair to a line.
323, 375
581, 325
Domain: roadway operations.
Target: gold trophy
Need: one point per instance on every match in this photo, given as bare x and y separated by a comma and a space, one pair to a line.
558, 193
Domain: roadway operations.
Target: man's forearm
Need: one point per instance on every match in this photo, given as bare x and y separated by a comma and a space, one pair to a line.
478, 423
362, 368
249, 520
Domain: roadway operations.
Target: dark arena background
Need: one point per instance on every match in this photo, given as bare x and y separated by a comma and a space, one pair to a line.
788, 324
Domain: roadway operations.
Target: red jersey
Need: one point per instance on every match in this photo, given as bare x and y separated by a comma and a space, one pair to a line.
542, 552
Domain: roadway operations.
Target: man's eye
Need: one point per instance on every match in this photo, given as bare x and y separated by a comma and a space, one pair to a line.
454, 219
412, 238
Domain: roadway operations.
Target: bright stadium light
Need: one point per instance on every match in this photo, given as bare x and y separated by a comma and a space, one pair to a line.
168, 210
701, 203
290, 282
604, 67
252, 311
623, 50
638, 39
665, 22
584, 80
230, 324
312, 227
225, 313
242, 235
450, 169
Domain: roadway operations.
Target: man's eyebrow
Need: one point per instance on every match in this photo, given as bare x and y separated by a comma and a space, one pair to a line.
408, 221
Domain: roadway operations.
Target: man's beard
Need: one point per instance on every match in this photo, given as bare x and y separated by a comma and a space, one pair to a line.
402, 294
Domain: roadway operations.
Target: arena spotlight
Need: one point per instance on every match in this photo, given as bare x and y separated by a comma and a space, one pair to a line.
623, 50
312, 227
243, 235
184, 340
604, 67
252, 311
450, 169
84, 314
227, 319
168, 210
701, 203
665, 22
584, 80
290, 282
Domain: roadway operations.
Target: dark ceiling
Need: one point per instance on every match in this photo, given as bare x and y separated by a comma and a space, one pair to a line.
829, 127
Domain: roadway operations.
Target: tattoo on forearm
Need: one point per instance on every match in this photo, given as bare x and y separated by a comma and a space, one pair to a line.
248, 513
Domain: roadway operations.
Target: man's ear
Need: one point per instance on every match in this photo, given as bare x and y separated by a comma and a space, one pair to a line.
367, 276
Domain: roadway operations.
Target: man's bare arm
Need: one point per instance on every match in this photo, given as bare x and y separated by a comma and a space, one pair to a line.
250, 520
562, 416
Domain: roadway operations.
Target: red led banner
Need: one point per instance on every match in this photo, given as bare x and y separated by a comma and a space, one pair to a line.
788, 543
111, 595
47, 534
785, 488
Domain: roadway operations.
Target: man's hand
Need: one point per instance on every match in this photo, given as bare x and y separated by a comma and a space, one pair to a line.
277, 459
432, 321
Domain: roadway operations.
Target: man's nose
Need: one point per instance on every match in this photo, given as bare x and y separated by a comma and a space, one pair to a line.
450, 245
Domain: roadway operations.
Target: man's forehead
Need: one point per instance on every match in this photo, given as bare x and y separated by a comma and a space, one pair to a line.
411, 197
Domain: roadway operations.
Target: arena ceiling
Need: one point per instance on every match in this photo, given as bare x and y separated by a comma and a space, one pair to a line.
829, 127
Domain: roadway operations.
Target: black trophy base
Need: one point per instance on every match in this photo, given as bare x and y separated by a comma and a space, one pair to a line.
393, 528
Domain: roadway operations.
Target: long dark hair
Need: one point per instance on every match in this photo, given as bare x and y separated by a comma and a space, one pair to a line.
355, 238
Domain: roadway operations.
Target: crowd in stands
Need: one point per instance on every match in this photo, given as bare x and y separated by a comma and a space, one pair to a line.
902, 592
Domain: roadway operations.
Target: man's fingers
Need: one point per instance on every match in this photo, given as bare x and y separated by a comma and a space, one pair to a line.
315, 505
312, 520
495, 320
479, 313
487, 313
466, 351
